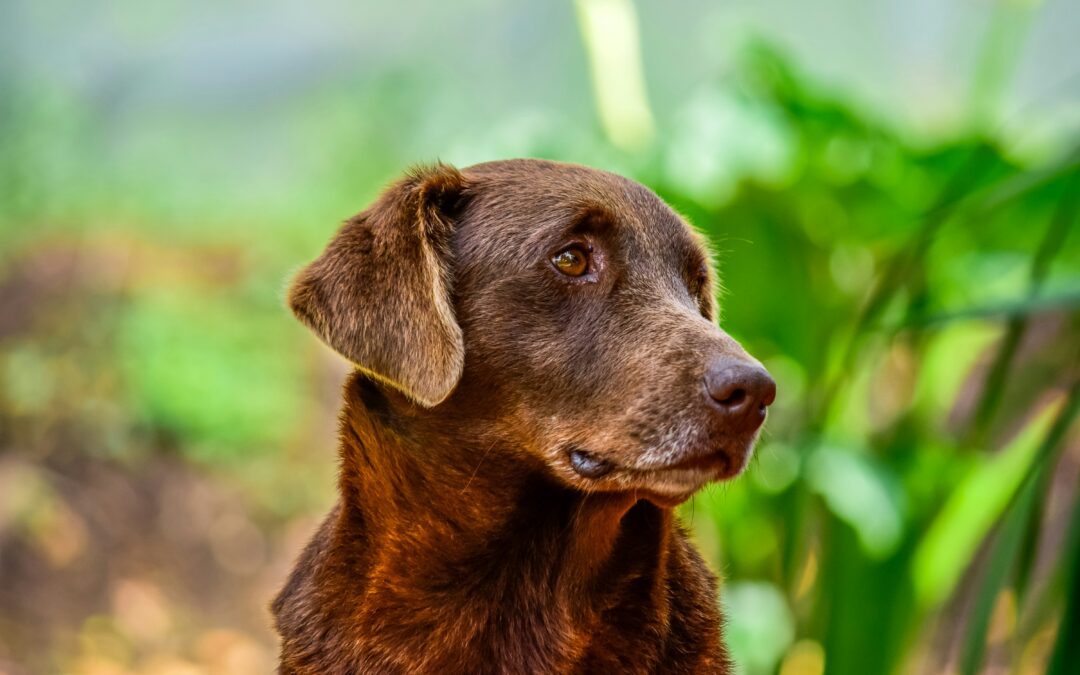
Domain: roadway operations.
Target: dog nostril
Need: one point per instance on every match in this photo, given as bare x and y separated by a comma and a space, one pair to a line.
735, 398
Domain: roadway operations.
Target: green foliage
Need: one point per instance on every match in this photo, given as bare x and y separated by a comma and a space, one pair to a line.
968, 514
223, 384
894, 284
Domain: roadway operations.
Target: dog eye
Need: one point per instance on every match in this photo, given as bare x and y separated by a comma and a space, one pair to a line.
573, 261
701, 281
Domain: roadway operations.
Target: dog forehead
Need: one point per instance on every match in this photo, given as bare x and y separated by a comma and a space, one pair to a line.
537, 182
521, 203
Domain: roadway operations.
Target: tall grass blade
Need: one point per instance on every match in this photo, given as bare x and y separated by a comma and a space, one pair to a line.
1065, 659
1002, 558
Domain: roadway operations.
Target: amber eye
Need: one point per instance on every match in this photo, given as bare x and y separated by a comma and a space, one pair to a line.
572, 261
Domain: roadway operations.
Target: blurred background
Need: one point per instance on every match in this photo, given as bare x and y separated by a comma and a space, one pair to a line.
892, 187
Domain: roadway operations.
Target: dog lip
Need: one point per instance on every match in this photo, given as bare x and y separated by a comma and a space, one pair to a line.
588, 465
716, 459
718, 463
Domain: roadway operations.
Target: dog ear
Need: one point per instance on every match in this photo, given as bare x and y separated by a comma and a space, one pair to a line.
380, 292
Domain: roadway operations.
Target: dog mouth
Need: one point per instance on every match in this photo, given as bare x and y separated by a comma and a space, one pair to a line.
667, 484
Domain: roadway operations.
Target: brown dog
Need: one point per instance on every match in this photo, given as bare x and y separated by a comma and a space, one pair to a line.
540, 381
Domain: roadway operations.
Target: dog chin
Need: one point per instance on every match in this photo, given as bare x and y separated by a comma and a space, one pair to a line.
682, 478
671, 487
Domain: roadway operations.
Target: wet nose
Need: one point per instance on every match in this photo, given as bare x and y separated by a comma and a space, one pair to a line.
741, 391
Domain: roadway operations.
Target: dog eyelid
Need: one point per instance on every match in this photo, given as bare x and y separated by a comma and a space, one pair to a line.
697, 278
699, 287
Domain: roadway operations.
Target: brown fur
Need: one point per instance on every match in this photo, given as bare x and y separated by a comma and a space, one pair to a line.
465, 539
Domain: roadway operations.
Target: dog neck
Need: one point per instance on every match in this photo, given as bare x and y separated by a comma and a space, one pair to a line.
437, 516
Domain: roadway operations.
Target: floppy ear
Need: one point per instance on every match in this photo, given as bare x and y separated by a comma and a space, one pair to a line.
380, 292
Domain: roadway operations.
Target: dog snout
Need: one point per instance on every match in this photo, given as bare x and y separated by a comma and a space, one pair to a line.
740, 391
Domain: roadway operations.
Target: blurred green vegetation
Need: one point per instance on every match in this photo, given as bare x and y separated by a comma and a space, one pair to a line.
913, 506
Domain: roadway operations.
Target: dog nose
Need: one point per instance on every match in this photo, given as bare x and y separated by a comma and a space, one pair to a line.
741, 391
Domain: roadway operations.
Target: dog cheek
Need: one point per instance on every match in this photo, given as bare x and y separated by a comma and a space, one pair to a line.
665, 414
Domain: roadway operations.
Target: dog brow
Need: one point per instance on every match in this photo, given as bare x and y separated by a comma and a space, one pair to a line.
593, 218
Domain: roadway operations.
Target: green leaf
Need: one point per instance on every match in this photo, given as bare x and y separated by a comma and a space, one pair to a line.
972, 510
1002, 559
862, 494
1066, 655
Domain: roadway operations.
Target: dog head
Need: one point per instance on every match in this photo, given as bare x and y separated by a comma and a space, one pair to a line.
567, 311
